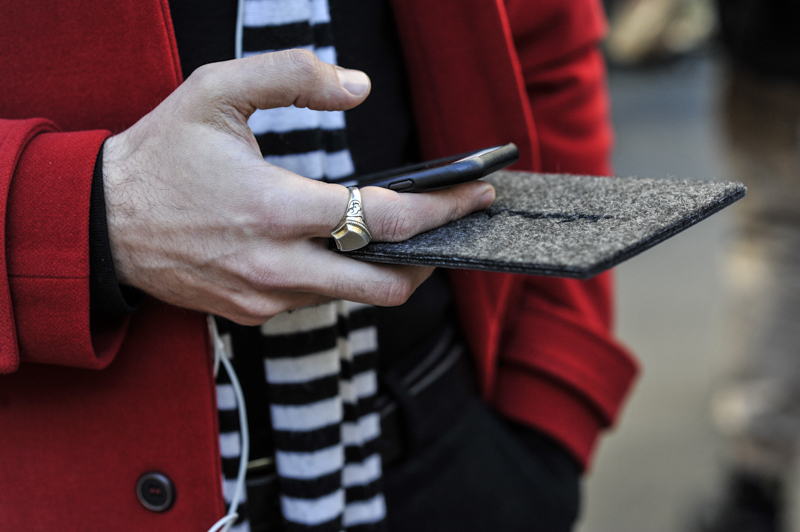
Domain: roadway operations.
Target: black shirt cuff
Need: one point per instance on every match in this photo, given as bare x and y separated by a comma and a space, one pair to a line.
107, 298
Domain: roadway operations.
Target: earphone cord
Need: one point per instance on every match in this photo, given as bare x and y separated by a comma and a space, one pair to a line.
221, 356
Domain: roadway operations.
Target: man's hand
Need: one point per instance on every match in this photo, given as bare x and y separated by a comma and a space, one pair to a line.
198, 219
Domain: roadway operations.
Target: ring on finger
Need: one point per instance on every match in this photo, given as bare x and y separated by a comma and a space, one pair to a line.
351, 232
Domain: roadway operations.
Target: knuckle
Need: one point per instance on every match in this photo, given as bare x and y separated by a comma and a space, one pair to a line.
201, 72
257, 309
458, 206
309, 72
265, 279
399, 225
465, 202
257, 276
204, 78
283, 226
397, 229
395, 292
304, 62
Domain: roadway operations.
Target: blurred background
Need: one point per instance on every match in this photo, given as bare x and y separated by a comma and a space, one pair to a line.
666, 467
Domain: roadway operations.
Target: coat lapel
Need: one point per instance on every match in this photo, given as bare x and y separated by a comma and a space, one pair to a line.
469, 93
466, 80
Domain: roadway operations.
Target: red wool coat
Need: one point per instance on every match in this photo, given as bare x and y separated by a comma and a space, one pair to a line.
83, 413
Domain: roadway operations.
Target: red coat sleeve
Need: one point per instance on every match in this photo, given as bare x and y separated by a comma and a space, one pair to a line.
89, 67
561, 369
45, 187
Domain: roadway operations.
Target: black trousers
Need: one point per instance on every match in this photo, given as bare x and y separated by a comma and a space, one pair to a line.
483, 474
453, 465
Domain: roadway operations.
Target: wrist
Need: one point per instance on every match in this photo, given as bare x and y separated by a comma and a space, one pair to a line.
117, 177
108, 299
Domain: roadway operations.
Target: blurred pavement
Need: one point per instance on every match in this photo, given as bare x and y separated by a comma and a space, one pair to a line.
663, 461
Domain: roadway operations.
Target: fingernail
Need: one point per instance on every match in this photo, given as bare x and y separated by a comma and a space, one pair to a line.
487, 198
354, 81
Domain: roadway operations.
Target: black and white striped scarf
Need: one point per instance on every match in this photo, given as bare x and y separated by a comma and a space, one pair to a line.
319, 361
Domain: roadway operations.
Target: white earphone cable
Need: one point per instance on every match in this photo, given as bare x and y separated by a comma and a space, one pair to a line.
239, 28
221, 356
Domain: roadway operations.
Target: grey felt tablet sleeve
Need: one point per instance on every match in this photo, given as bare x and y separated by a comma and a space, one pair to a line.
562, 225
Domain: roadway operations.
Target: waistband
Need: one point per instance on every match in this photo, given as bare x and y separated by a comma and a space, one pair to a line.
420, 402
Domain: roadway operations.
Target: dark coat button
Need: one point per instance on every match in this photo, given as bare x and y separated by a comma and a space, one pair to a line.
155, 491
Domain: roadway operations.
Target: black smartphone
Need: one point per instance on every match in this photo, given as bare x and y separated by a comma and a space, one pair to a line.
445, 172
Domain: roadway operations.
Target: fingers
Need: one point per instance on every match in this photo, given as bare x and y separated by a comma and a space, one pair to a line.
324, 276
394, 217
316, 208
338, 277
255, 309
291, 77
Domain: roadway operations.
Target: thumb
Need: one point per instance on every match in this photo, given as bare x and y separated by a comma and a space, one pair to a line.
290, 77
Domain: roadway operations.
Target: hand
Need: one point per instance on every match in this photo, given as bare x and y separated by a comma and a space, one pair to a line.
198, 219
